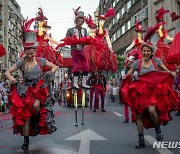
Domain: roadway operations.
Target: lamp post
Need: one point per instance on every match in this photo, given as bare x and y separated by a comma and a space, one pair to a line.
1, 68
142, 14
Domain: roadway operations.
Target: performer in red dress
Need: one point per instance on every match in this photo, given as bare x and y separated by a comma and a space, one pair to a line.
158, 39
174, 54
136, 42
32, 101
149, 93
44, 49
105, 58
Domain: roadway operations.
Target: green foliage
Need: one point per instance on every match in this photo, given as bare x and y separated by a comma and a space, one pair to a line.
120, 62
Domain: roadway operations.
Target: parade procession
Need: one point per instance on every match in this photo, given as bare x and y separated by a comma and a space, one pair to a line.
90, 77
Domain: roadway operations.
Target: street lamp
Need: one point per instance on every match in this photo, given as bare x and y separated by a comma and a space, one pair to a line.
1, 67
142, 14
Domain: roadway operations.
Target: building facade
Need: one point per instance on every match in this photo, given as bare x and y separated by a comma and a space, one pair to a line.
173, 6
121, 27
11, 21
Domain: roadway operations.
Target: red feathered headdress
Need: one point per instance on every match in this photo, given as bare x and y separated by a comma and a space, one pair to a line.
29, 36
174, 16
76, 11
40, 16
151, 30
90, 22
161, 13
78, 14
107, 15
138, 27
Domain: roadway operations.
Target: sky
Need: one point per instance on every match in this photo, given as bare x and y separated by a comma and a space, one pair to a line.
59, 12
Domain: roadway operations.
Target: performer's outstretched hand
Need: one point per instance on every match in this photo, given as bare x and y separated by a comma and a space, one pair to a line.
124, 76
173, 73
13, 80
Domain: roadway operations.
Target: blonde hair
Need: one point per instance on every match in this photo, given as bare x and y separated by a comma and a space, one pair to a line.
25, 63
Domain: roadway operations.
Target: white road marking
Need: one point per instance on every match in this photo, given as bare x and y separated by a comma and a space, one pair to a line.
118, 114
151, 140
85, 137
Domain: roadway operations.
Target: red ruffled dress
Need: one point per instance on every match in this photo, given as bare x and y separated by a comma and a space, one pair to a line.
162, 51
150, 89
22, 98
174, 54
105, 59
44, 50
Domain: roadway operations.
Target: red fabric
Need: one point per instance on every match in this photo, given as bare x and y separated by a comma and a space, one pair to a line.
79, 61
2, 51
91, 56
153, 88
67, 62
163, 51
86, 40
174, 54
22, 108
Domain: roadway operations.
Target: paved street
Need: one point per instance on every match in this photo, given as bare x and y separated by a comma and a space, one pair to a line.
103, 133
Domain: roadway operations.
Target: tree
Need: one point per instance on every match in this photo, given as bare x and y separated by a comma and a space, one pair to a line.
120, 62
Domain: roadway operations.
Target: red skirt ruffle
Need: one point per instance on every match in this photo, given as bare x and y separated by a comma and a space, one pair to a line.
174, 53
139, 95
22, 109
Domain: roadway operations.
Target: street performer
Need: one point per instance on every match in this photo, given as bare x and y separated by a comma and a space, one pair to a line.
32, 101
149, 94
100, 89
79, 60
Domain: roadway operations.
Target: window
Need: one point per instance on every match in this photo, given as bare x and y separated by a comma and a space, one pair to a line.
118, 33
118, 15
123, 29
128, 25
114, 4
122, 11
113, 22
128, 5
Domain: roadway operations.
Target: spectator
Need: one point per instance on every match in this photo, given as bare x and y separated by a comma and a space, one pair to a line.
5, 93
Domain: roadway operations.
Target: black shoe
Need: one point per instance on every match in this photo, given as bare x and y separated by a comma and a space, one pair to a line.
25, 147
177, 114
94, 110
126, 121
103, 110
159, 135
140, 145
165, 123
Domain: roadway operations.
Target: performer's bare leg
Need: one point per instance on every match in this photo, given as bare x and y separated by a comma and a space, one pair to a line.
36, 107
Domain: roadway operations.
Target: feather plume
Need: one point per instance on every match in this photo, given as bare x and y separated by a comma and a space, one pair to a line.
174, 16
